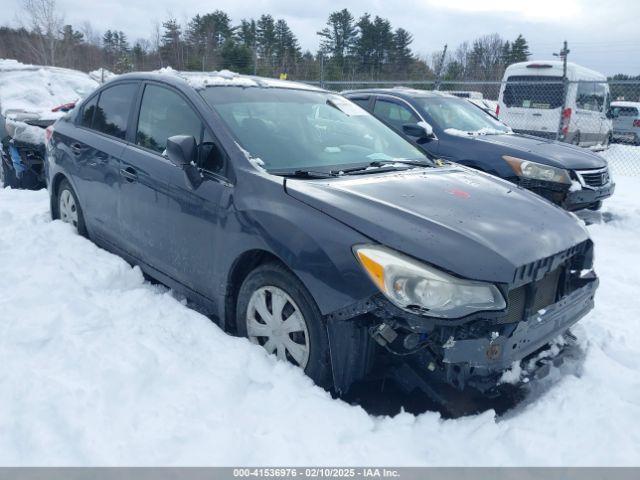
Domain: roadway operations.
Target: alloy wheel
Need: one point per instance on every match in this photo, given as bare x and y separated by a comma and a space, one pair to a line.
275, 322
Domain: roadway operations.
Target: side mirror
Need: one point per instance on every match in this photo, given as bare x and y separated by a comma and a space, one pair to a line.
419, 130
181, 150
610, 114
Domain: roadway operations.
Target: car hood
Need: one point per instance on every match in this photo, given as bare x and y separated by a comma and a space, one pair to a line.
549, 152
469, 223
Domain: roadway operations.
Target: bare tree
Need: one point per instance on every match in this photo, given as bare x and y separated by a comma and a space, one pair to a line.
45, 22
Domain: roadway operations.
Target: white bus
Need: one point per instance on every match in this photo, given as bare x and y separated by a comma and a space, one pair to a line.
531, 101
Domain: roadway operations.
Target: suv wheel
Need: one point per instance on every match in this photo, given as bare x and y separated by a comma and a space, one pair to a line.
68, 207
276, 311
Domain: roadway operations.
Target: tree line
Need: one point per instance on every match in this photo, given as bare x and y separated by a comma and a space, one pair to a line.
351, 49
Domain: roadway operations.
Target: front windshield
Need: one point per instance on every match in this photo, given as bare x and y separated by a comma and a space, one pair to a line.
458, 116
290, 129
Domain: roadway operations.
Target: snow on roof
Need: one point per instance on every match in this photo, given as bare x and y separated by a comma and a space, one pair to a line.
37, 89
201, 80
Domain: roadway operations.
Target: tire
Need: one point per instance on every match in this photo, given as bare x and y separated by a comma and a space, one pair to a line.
258, 292
576, 139
67, 207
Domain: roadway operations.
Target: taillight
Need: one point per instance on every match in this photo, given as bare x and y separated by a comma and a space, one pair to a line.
497, 110
566, 119
636, 123
48, 133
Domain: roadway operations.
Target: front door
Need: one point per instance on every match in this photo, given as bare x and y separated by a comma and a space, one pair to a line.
167, 222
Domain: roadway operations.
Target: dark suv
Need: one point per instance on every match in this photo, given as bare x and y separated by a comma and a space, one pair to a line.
455, 129
295, 218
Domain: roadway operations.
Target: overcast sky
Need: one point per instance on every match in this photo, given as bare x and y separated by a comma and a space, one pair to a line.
602, 34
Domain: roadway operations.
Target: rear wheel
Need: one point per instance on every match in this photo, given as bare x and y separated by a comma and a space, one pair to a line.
68, 207
277, 312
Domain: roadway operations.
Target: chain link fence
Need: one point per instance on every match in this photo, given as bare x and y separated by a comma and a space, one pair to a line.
601, 116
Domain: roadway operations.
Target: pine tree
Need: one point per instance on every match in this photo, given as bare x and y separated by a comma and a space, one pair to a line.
401, 52
519, 50
171, 44
339, 38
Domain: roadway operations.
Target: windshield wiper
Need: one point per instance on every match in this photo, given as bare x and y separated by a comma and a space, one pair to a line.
383, 163
304, 173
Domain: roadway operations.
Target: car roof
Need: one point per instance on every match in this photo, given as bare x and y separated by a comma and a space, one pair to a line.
621, 103
222, 78
402, 92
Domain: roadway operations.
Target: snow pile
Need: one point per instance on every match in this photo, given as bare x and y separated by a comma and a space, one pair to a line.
102, 75
36, 90
98, 367
24, 132
225, 78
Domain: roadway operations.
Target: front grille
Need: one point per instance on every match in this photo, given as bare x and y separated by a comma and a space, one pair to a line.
544, 291
517, 301
594, 178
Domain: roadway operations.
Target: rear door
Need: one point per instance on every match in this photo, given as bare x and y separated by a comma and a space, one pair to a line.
166, 222
96, 147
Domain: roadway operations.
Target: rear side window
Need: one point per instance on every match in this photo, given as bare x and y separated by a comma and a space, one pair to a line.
88, 110
394, 113
114, 105
533, 91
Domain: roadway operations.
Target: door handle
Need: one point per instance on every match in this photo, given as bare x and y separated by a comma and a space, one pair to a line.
76, 148
129, 174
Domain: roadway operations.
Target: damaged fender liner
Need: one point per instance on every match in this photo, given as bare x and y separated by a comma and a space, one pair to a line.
497, 354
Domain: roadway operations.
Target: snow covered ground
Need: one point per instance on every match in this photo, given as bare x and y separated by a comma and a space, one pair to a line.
98, 367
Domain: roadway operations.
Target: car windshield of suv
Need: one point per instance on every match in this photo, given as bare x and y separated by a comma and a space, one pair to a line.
293, 129
459, 117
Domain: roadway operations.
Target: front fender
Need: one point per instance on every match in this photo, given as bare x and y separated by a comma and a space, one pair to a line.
315, 246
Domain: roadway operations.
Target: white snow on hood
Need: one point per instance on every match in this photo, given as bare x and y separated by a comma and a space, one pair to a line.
476, 133
32, 91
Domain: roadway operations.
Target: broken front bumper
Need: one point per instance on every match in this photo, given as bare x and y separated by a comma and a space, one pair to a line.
588, 196
480, 362
487, 355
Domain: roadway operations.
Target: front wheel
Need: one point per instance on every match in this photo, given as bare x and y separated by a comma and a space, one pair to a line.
277, 312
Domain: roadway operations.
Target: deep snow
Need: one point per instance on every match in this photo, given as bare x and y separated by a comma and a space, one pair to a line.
98, 367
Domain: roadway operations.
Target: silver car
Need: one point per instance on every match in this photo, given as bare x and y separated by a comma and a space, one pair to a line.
626, 122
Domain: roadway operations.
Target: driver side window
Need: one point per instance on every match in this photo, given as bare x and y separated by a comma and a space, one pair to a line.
163, 114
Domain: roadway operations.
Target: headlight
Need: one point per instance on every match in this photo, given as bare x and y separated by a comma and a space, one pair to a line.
537, 171
420, 288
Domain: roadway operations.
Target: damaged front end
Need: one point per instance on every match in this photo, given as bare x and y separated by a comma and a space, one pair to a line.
544, 300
